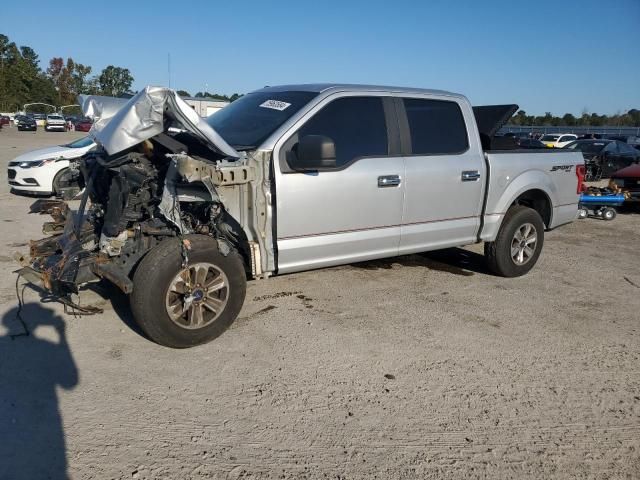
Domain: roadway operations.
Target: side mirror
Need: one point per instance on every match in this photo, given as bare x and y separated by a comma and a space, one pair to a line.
315, 152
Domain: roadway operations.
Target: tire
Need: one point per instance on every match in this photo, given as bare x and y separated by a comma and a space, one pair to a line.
55, 185
499, 252
155, 292
609, 214
583, 213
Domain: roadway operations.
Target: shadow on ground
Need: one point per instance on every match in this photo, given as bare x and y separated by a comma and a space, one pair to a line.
451, 260
32, 441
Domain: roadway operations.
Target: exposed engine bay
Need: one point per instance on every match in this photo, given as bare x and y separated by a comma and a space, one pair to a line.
147, 190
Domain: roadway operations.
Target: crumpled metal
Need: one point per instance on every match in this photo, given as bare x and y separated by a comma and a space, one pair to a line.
121, 124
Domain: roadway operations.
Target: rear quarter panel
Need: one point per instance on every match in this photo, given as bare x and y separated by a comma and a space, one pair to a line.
513, 173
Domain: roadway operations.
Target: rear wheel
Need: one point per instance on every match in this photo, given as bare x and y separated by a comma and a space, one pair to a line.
518, 245
183, 306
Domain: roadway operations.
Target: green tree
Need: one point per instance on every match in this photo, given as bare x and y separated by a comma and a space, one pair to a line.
80, 78
114, 81
183, 93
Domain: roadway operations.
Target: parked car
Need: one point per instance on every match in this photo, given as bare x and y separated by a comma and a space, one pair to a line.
46, 171
40, 118
55, 122
25, 122
518, 135
4, 120
628, 179
603, 157
83, 125
179, 222
558, 140
531, 143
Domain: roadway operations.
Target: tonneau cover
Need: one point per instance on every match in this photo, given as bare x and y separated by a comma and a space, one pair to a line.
491, 118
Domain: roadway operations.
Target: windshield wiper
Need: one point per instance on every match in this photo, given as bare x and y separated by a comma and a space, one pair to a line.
241, 148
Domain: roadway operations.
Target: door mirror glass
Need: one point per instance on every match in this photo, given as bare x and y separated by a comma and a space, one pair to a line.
314, 152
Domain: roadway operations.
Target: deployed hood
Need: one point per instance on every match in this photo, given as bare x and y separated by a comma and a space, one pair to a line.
99, 108
122, 124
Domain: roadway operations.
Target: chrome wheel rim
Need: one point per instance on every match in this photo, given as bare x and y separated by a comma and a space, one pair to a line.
523, 244
197, 296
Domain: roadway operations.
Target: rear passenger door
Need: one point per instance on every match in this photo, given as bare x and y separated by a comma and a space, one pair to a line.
445, 174
348, 213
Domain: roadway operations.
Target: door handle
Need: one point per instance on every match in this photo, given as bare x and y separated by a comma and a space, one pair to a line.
470, 175
388, 181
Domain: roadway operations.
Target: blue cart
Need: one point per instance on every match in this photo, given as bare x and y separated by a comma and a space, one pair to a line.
601, 206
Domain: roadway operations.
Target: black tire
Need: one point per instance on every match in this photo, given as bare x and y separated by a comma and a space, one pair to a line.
609, 214
583, 213
498, 253
57, 189
154, 276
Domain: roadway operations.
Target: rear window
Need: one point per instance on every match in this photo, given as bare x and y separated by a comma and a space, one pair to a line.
587, 147
550, 138
436, 126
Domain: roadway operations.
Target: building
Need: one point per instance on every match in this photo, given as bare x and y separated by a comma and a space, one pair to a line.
205, 106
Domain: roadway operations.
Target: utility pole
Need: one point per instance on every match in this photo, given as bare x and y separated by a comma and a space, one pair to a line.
169, 67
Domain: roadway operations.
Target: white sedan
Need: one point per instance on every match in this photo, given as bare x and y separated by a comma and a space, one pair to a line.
46, 171
558, 140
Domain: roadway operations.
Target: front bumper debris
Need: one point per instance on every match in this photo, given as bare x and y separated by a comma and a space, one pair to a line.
60, 262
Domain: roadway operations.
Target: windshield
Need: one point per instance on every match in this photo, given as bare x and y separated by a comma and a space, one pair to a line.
81, 143
54, 117
587, 147
550, 138
248, 121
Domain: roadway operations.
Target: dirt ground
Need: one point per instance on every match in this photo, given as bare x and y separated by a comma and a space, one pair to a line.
423, 366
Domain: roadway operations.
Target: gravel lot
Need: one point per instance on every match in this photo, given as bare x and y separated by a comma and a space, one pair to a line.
414, 367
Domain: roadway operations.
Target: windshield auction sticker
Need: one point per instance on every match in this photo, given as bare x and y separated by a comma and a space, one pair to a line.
275, 105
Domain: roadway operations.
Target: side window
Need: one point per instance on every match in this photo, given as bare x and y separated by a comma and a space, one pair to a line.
566, 138
625, 148
355, 124
612, 147
436, 127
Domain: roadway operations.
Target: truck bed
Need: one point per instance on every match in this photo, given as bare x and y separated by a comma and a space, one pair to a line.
514, 172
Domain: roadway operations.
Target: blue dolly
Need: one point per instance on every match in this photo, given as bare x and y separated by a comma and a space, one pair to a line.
602, 206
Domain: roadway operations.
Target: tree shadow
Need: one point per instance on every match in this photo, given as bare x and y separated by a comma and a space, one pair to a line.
32, 440
451, 260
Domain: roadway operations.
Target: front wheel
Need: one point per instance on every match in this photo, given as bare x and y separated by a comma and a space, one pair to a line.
518, 245
182, 306
609, 213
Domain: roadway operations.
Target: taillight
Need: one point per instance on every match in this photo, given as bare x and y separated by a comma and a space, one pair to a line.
580, 173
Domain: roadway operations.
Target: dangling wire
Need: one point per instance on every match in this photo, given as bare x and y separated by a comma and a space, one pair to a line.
20, 296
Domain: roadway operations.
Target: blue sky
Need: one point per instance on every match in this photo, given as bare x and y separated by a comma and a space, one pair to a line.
557, 56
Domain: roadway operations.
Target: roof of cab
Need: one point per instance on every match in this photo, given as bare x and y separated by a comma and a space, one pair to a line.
346, 87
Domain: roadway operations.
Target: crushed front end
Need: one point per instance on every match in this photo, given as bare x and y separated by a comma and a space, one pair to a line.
154, 183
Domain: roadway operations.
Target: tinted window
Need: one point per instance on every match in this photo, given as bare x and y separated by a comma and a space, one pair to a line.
355, 124
248, 121
624, 148
550, 138
587, 146
436, 127
612, 147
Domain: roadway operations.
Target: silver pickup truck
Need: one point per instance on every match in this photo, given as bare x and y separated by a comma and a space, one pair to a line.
179, 211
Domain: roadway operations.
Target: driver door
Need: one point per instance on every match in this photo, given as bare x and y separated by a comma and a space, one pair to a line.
348, 212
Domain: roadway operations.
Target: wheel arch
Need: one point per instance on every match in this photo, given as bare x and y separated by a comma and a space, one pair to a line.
538, 200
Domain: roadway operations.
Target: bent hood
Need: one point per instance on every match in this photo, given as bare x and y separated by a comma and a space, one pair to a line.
121, 124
